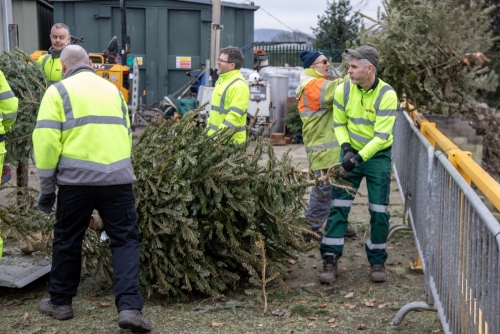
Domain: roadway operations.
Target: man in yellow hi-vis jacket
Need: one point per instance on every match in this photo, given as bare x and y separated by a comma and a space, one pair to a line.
8, 114
230, 97
315, 104
83, 135
364, 115
51, 63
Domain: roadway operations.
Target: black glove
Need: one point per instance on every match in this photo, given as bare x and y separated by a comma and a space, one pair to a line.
46, 202
350, 161
346, 147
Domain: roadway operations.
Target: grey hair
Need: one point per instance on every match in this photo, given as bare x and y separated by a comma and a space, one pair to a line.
73, 55
365, 62
234, 55
59, 26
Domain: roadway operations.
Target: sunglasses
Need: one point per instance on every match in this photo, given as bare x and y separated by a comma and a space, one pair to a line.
324, 62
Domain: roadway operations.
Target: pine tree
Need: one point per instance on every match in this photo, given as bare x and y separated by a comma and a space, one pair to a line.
338, 25
428, 52
202, 205
28, 82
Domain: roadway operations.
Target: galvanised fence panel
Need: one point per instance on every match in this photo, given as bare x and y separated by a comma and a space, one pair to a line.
457, 237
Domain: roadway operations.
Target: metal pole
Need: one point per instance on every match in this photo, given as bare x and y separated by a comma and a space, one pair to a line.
125, 40
215, 37
6, 19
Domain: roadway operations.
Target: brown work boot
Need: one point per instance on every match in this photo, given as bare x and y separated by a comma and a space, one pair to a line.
377, 273
330, 270
63, 312
134, 320
350, 232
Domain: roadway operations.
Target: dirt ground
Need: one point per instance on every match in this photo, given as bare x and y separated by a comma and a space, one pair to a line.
352, 304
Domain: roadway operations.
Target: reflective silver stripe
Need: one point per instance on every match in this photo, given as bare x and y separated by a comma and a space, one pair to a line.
322, 94
47, 124
378, 207
382, 135
339, 124
358, 137
95, 166
216, 108
10, 116
391, 112
81, 176
237, 110
223, 98
129, 131
214, 127
124, 108
81, 121
46, 172
68, 110
233, 127
47, 57
6, 95
332, 241
375, 246
313, 113
304, 100
322, 147
362, 121
347, 91
329, 254
383, 90
338, 105
346, 203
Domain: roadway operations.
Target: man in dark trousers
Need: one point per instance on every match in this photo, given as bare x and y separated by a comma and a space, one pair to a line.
83, 135
364, 114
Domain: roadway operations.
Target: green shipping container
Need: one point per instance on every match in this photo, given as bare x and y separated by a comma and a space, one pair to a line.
161, 31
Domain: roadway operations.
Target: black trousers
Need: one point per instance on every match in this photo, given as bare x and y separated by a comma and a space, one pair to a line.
116, 206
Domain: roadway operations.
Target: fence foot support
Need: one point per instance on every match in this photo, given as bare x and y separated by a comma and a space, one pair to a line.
413, 306
394, 228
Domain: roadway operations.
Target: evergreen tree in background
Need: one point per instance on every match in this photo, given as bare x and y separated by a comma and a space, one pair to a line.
338, 25
432, 51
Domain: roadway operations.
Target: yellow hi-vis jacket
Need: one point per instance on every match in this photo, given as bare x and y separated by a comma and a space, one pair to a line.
315, 99
83, 131
8, 114
365, 118
52, 68
230, 100
8, 107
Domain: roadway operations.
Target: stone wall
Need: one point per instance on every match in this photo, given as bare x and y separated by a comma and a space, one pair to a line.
461, 133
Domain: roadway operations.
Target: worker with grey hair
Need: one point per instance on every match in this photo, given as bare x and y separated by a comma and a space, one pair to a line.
364, 116
230, 97
51, 62
78, 114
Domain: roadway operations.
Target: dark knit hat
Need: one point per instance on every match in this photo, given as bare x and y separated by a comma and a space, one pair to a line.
308, 57
365, 52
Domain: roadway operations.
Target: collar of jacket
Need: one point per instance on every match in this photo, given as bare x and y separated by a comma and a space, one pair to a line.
226, 75
77, 69
306, 76
55, 53
375, 83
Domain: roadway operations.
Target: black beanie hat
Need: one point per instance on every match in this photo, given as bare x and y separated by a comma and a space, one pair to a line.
308, 57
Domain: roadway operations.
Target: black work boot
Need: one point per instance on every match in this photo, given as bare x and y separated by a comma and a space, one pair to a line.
63, 312
377, 273
134, 320
350, 232
308, 237
330, 270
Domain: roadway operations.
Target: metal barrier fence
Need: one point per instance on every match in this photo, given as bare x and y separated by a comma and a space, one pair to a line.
457, 237
279, 55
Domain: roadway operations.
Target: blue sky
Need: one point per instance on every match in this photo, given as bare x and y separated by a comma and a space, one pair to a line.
303, 14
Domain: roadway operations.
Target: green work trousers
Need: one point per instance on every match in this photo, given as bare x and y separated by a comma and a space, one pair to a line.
377, 172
